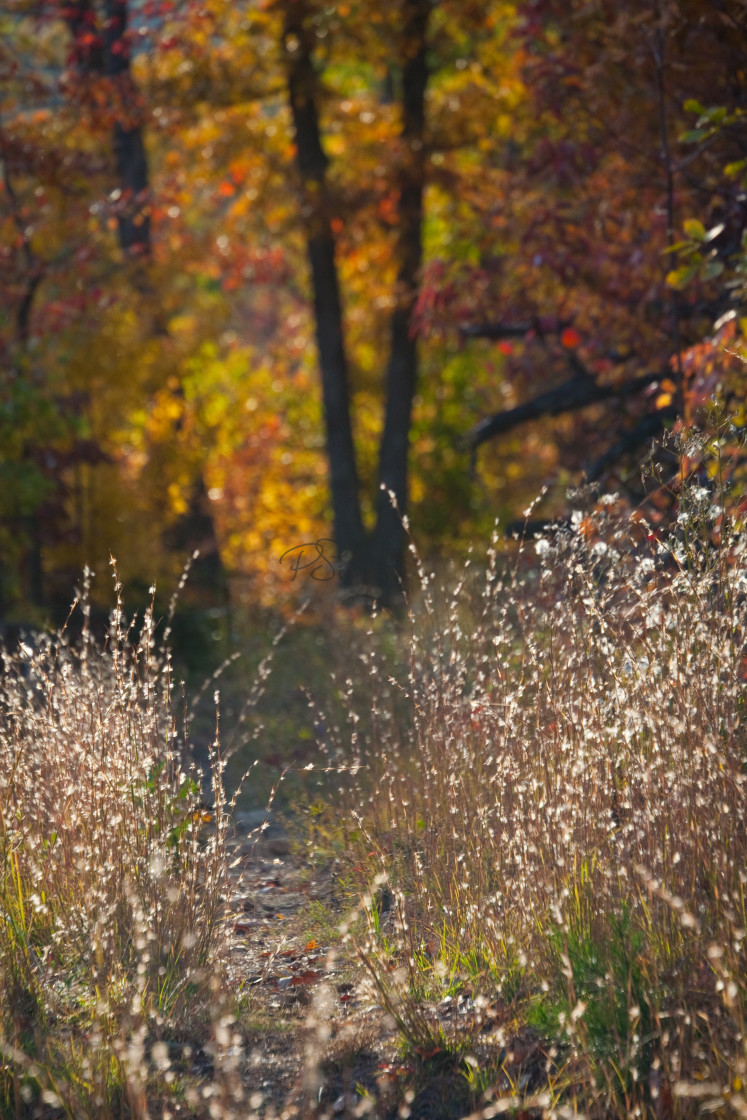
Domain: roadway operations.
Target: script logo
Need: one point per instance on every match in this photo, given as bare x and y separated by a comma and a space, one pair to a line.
312, 559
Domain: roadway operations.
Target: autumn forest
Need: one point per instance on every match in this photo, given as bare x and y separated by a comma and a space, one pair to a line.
373, 564
284, 271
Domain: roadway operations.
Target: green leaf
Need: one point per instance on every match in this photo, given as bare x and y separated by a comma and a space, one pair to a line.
693, 106
676, 247
681, 277
733, 169
694, 135
695, 229
712, 269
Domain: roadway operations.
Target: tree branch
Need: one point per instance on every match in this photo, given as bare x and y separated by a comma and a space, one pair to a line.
497, 331
578, 392
650, 426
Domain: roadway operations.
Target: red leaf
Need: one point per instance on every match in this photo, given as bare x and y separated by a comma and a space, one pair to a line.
307, 977
570, 338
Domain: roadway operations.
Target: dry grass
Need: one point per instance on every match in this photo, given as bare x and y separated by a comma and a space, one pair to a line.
556, 830
109, 899
538, 824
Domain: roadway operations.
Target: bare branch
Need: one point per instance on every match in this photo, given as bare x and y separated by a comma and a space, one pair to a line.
579, 392
649, 427
497, 331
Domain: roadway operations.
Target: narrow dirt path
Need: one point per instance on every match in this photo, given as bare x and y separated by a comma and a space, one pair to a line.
310, 1041
316, 1043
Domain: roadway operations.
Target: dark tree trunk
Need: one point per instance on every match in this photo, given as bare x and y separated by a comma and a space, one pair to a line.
87, 52
35, 270
311, 163
106, 53
33, 562
193, 535
389, 539
133, 218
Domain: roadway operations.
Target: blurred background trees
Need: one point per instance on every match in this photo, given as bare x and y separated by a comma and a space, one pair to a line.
258, 260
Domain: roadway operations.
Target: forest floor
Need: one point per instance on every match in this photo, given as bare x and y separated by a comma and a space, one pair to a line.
315, 1042
312, 1039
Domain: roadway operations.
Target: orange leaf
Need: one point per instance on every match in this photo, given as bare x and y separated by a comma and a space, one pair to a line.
226, 189
663, 400
238, 169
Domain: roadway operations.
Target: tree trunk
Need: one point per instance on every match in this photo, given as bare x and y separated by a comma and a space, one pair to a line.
389, 537
33, 561
311, 163
106, 54
133, 218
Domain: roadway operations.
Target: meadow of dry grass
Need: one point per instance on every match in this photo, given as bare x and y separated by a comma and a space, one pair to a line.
519, 890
